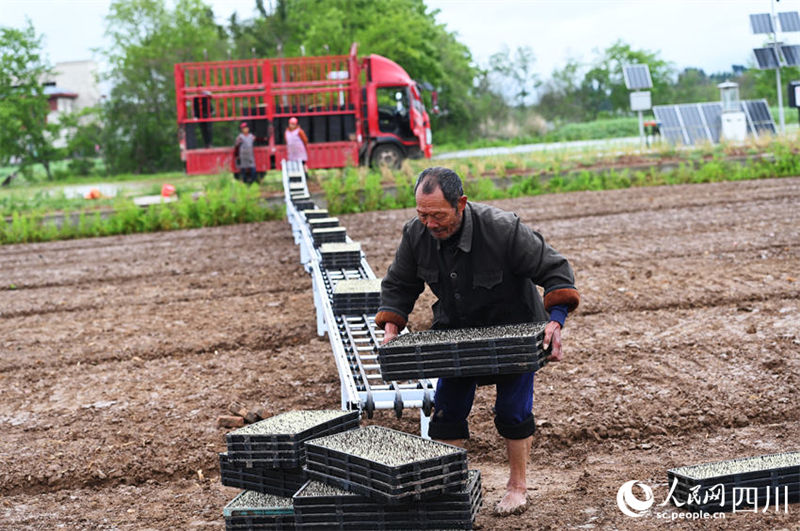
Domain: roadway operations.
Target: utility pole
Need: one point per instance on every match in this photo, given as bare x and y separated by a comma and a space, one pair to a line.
778, 69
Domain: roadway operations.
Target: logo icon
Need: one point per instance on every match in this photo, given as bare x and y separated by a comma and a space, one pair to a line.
629, 504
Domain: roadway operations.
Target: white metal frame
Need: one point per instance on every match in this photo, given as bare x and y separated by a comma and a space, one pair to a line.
362, 386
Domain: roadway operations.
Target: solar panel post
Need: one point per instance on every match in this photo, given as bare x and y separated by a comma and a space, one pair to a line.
778, 74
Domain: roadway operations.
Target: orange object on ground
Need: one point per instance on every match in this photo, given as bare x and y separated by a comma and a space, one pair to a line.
94, 193
167, 190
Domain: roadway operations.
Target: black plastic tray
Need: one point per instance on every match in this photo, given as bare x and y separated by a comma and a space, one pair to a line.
329, 237
234, 509
353, 511
761, 480
323, 223
456, 455
424, 341
315, 213
406, 493
347, 420
455, 367
304, 204
260, 523
350, 502
345, 260
267, 480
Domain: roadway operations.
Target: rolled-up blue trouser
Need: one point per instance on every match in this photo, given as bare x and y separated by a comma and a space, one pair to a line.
513, 407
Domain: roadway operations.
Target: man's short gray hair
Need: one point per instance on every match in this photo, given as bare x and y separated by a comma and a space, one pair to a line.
446, 179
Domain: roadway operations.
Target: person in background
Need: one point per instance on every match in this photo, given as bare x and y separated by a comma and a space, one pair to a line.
204, 109
296, 142
245, 155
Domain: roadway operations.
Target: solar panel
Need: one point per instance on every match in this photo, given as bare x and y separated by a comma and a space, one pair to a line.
712, 112
669, 124
637, 77
766, 58
688, 124
759, 116
761, 23
790, 21
693, 123
791, 54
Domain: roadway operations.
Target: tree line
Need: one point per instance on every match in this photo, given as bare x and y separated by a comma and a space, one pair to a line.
136, 127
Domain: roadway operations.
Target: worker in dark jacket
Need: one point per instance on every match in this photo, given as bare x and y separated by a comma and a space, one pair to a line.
483, 265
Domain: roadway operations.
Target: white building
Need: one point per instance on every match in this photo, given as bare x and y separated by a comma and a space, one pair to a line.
72, 87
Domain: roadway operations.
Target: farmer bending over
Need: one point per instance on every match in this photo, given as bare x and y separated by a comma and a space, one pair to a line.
483, 265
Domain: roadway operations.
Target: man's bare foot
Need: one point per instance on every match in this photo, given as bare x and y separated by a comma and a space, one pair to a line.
514, 502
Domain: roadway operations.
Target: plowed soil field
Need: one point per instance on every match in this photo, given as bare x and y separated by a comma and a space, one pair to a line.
118, 354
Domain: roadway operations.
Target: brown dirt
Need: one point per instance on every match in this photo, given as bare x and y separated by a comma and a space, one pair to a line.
117, 355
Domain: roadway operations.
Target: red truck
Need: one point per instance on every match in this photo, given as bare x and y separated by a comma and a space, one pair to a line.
354, 111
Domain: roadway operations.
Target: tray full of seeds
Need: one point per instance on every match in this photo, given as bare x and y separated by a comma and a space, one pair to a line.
738, 483
340, 255
260, 478
329, 235
321, 506
357, 296
253, 510
315, 213
386, 465
485, 351
279, 441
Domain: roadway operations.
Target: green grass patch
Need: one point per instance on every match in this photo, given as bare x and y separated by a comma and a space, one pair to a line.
221, 202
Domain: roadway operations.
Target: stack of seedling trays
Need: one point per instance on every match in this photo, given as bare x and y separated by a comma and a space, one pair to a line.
296, 187
267, 457
488, 351
251, 510
773, 480
356, 297
329, 235
302, 201
388, 466
261, 477
279, 441
321, 506
315, 213
323, 223
340, 255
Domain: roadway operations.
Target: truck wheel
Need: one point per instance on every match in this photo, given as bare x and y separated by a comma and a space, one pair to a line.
387, 155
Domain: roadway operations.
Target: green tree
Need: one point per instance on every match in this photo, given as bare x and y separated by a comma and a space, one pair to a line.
147, 39
84, 135
515, 74
26, 137
402, 30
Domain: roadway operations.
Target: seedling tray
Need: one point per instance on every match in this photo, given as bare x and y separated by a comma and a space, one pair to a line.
293, 427
340, 255
266, 480
490, 337
250, 503
329, 235
385, 464
316, 213
457, 366
323, 223
356, 296
323, 506
304, 204
260, 523
263, 444
763, 473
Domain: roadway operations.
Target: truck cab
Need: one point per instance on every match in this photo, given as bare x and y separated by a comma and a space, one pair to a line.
397, 123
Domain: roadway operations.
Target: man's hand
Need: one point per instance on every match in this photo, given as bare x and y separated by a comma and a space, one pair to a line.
552, 334
390, 332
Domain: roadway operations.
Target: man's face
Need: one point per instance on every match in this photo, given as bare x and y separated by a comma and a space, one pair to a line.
440, 217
